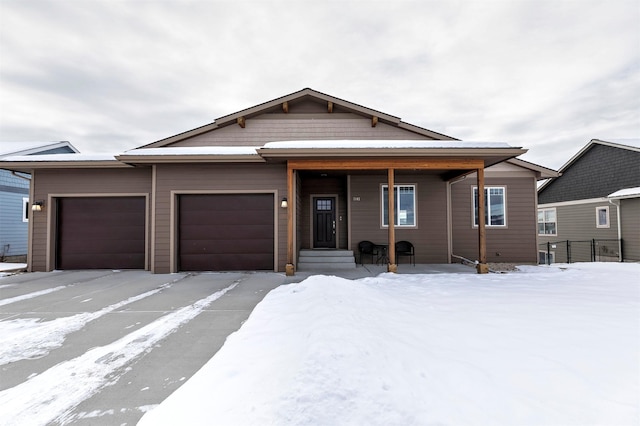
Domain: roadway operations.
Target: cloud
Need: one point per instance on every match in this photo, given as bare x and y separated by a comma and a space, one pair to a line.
111, 75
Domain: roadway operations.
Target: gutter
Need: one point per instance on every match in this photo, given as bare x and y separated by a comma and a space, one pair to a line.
13, 172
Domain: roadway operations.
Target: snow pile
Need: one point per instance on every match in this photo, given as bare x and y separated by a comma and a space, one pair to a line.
548, 346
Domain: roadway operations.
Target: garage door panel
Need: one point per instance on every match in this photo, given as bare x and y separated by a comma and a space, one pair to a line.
101, 233
221, 232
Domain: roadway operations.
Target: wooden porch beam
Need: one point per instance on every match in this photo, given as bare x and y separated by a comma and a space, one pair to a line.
290, 267
388, 163
285, 107
329, 107
482, 235
374, 121
392, 266
241, 122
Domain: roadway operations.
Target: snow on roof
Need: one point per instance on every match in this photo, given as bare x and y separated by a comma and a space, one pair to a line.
626, 193
24, 148
364, 144
60, 158
196, 150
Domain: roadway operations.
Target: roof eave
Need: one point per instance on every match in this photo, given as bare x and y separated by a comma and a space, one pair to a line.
168, 159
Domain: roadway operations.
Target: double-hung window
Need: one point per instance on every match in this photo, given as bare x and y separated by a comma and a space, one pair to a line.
494, 206
547, 222
404, 205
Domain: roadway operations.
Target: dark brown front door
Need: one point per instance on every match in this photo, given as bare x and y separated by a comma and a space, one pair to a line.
100, 233
226, 232
324, 222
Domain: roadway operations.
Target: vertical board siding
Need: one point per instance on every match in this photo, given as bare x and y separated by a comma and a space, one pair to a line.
514, 243
630, 221
211, 178
429, 237
78, 182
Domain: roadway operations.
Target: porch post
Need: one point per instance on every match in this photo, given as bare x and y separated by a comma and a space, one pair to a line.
482, 267
290, 268
393, 266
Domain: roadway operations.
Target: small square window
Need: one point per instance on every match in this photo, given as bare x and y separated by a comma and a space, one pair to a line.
602, 217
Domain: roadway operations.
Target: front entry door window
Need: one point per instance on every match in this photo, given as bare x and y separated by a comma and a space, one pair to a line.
324, 222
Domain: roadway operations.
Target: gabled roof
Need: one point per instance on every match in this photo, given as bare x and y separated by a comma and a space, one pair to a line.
295, 97
628, 144
32, 148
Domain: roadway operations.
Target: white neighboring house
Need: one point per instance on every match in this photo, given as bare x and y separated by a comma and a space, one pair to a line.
592, 210
14, 196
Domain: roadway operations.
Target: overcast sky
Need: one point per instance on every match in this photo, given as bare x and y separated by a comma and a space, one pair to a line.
113, 75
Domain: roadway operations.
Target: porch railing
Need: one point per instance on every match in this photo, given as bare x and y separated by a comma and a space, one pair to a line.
570, 251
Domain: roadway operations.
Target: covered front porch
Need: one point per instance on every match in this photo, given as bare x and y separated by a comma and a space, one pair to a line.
334, 204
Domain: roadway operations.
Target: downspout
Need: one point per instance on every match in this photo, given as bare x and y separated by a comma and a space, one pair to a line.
617, 204
13, 172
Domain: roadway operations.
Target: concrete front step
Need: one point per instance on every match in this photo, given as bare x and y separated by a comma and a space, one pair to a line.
317, 260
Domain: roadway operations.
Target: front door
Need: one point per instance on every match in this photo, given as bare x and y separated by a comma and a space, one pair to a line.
324, 222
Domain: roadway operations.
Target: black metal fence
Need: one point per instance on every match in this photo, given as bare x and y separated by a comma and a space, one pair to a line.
569, 251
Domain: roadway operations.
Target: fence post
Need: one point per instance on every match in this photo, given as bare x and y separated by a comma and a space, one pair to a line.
548, 253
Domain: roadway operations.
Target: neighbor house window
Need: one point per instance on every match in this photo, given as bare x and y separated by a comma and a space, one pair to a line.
602, 217
404, 205
547, 222
25, 210
494, 206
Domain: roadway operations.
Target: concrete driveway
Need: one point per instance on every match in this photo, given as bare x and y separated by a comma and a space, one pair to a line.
102, 347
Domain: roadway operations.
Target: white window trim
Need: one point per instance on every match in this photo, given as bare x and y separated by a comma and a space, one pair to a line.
395, 190
556, 214
25, 209
598, 224
473, 207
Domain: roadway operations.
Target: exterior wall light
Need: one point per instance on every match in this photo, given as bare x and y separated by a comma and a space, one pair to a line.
284, 203
37, 206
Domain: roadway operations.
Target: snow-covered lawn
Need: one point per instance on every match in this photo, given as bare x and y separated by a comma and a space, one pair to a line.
555, 345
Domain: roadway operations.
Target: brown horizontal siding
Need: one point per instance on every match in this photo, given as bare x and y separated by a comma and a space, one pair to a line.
514, 243
77, 182
429, 237
189, 178
268, 129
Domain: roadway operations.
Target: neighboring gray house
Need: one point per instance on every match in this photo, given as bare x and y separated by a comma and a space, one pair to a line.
278, 186
578, 212
14, 196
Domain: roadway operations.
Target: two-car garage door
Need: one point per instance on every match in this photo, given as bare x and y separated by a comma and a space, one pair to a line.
226, 232
216, 232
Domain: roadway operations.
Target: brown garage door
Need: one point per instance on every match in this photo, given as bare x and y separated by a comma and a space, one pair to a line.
101, 233
226, 232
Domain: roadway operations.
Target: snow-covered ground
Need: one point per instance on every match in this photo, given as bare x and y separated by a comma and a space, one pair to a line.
556, 345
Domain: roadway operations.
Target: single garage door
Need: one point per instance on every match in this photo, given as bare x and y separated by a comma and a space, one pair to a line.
101, 233
226, 232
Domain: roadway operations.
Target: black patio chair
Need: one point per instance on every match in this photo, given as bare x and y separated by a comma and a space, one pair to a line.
367, 248
405, 248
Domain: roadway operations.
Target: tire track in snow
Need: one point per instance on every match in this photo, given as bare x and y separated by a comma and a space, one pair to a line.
30, 295
28, 338
56, 392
